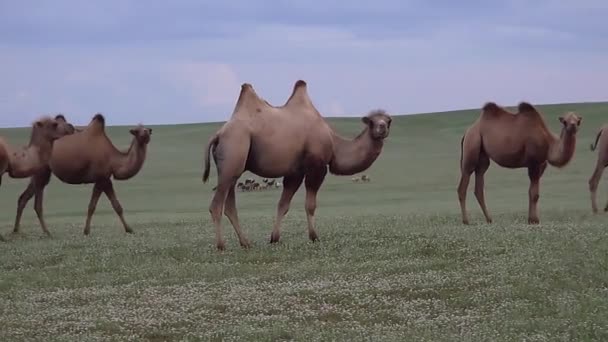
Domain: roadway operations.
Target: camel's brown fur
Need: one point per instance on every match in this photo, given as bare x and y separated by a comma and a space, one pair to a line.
601, 141
26, 161
88, 156
513, 140
292, 141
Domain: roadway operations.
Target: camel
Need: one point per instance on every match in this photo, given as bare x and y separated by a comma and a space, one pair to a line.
602, 162
292, 141
513, 140
89, 157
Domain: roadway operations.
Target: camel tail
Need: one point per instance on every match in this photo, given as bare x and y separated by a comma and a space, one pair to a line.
212, 143
461, 149
597, 138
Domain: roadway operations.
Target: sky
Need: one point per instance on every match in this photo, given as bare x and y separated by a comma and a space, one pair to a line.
182, 61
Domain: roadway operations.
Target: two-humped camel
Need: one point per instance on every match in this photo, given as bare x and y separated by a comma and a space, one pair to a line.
26, 161
513, 140
88, 156
601, 140
292, 141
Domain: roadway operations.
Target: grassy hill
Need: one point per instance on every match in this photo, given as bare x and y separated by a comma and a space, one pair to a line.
394, 260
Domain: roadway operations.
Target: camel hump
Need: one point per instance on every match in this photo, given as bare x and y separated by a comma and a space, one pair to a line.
98, 122
299, 94
247, 97
490, 107
523, 107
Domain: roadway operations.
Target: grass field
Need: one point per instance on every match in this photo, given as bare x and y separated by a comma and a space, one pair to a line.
394, 261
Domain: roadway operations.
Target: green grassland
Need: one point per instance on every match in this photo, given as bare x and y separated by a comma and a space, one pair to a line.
394, 261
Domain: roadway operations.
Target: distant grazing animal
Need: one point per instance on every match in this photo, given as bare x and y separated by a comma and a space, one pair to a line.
292, 141
355, 179
27, 161
365, 178
88, 156
601, 140
513, 140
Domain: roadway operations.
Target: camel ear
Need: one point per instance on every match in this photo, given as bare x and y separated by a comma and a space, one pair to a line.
561, 119
38, 123
578, 122
133, 131
366, 120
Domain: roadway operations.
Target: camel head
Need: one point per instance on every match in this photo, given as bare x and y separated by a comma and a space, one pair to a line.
50, 129
571, 122
142, 134
66, 126
378, 123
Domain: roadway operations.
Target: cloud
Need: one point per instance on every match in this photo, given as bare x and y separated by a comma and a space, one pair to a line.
209, 84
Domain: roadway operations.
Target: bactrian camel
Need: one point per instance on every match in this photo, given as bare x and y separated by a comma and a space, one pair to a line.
513, 140
22, 162
292, 141
601, 141
89, 157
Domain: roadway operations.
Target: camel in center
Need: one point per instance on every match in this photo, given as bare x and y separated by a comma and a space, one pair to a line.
601, 144
292, 141
513, 140
88, 156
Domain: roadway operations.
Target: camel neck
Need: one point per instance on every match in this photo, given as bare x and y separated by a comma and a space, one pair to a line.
127, 164
356, 155
562, 148
43, 145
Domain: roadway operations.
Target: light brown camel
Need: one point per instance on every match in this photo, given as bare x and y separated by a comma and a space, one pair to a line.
88, 156
22, 162
292, 141
601, 140
513, 140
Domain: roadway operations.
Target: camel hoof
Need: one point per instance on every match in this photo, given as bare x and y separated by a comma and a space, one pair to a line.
2, 239
246, 244
606, 209
465, 222
533, 221
221, 246
489, 220
129, 231
275, 237
86, 232
313, 236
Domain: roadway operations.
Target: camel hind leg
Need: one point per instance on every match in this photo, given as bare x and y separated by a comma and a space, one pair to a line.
231, 212
230, 163
482, 166
470, 149
594, 181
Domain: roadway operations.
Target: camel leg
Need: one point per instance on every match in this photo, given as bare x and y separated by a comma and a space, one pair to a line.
291, 184
482, 167
231, 212
534, 173
97, 190
35, 187
25, 196
594, 181
313, 183
108, 189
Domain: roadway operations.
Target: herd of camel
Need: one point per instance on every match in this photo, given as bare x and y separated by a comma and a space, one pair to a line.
292, 141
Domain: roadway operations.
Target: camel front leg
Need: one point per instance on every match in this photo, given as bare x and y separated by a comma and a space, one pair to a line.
594, 181
108, 189
215, 209
231, 212
25, 196
35, 187
291, 184
534, 173
97, 190
313, 183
